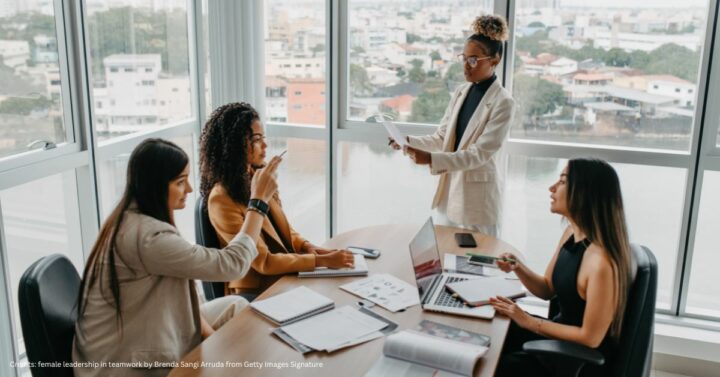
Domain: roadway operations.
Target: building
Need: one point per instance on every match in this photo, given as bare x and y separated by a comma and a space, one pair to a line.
306, 101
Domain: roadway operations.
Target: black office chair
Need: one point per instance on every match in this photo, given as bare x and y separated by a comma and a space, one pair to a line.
634, 353
205, 235
47, 296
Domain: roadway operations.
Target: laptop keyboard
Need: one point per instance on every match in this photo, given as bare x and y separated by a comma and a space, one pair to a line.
445, 298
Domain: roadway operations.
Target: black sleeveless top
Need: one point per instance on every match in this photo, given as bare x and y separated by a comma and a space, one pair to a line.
564, 279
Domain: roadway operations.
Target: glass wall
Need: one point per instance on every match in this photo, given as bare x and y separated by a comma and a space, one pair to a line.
31, 88
618, 73
39, 218
140, 65
402, 56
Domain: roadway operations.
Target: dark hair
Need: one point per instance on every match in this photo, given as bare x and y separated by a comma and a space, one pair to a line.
595, 205
490, 31
224, 147
153, 164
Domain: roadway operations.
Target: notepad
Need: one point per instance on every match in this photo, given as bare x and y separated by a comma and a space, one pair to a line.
292, 306
477, 292
359, 269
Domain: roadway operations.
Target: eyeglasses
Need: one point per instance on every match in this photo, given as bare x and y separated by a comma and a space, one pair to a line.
256, 138
472, 61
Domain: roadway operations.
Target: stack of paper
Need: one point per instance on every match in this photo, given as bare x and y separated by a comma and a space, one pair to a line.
335, 329
293, 305
359, 269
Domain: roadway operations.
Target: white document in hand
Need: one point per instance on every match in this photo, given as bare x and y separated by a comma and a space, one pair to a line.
392, 131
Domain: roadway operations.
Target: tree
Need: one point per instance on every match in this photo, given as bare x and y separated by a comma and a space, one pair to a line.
538, 96
454, 75
672, 59
536, 24
617, 58
430, 105
417, 74
434, 56
317, 49
126, 30
24, 106
534, 44
360, 84
411, 38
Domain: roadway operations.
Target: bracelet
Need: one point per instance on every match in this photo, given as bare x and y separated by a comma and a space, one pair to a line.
256, 210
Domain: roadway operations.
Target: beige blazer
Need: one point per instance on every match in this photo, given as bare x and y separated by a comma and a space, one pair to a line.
471, 172
160, 309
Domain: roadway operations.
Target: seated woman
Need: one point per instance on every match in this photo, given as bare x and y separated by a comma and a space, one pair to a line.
137, 302
589, 274
232, 147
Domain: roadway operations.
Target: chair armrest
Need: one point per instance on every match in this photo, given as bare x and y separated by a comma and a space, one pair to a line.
565, 349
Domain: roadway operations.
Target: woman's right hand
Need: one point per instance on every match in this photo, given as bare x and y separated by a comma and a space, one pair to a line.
335, 259
393, 144
264, 184
507, 266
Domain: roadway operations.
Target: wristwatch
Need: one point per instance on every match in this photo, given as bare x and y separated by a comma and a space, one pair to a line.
258, 205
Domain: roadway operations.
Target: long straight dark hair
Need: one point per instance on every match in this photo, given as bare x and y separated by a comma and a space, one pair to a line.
595, 205
153, 164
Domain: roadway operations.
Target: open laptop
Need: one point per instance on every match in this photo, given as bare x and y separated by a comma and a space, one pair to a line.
431, 280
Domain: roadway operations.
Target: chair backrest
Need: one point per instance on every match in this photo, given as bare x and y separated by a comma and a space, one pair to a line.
205, 235
634, 353
47, 297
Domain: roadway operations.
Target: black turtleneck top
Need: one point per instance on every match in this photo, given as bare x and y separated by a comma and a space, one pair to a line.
472, 100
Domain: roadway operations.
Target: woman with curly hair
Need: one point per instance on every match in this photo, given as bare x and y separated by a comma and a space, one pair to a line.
464, 149
232, 147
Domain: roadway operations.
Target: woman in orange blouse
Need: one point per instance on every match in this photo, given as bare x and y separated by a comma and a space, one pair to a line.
232, 146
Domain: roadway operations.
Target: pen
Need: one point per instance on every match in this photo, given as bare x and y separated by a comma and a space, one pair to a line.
510, 260
283, 153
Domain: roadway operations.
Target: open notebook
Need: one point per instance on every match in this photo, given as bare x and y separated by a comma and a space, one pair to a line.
292, 306
360, 269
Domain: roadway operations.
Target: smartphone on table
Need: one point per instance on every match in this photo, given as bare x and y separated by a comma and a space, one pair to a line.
486, 260
364, 251
465, 240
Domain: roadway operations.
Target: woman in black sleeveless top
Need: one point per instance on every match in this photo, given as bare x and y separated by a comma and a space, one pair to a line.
588, 276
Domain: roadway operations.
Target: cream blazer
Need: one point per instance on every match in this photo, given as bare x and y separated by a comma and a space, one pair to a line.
471, 172
160, 308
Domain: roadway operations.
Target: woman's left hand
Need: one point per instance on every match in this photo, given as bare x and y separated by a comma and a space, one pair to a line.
420, 157
508, 308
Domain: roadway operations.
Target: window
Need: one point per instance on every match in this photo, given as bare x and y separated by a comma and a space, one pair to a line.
295, 71
31, 107
39, 218
704, 292
558, 49
111, 183
161, 49
531, 228
402, 57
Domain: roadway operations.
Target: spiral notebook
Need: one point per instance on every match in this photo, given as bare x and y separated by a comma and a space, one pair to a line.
359, 269
292, 306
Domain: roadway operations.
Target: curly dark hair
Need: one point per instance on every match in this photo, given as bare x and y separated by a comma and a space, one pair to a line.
224, 144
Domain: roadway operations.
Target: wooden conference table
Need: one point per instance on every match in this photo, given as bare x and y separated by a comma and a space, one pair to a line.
246, 341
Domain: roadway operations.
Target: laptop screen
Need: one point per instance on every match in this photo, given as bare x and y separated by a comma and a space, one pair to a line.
425, 257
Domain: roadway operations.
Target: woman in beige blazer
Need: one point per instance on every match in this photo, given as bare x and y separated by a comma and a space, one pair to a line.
137, 306
464, 149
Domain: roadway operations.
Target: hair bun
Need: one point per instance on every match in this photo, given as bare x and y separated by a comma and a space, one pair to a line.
492, 26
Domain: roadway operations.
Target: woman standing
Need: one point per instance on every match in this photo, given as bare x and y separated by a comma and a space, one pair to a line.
464, 149
137, 304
